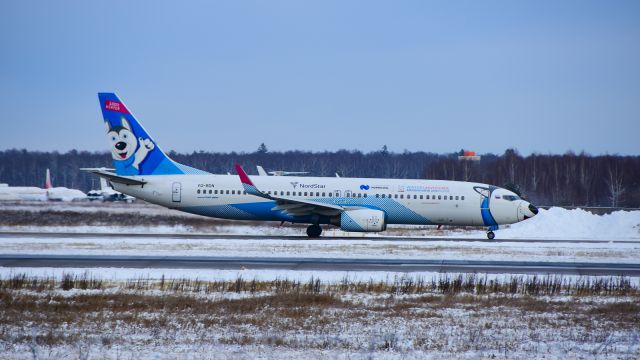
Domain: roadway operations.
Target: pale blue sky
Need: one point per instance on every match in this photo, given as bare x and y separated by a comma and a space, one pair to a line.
543, 76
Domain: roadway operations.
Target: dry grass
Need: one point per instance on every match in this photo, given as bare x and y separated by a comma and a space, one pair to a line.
460, 313
550, 285
101, 218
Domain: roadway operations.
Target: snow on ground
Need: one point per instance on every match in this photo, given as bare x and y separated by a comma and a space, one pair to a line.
559, 223
555, 223
384, 326
124, 322
615, 252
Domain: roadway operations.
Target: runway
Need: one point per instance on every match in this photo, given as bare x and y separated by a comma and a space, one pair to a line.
70, 235
319, 264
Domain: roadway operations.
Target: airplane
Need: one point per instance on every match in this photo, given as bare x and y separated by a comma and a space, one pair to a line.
22, 193
262, 172
106, 192
61, 193
144, 171
33, 193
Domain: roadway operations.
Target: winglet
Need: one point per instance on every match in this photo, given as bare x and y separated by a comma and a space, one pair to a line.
247, 184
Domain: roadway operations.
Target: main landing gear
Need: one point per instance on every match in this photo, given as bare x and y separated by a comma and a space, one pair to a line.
490, 235
314, 231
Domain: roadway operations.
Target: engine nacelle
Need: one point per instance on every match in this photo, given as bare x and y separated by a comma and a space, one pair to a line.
363, 220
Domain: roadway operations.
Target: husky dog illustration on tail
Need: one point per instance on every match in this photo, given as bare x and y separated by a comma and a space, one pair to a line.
125, 147
133, 150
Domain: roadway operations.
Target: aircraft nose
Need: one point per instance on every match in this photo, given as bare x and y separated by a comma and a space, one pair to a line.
120, 145
526, 211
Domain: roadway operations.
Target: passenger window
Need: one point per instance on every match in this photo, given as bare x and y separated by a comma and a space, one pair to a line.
305, 193
395, 196
233, 192
365, 195
330, 194
382, 196
439, 197
462, 197
198, 191
456, 197
359, 195
420, 197
323, 194
451, 197
415, 197
401, 196
210, 191
317, 194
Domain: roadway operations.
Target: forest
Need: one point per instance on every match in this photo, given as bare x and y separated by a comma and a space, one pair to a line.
545, 179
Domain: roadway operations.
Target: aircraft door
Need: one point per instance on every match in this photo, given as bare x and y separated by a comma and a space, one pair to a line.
176, 192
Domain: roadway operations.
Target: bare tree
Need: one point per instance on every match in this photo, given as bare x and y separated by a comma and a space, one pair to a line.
614, 185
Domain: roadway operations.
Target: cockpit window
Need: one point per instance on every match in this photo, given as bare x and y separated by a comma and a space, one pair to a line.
481, 190
510, 197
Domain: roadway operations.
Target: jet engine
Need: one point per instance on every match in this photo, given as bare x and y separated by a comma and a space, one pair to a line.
363, 220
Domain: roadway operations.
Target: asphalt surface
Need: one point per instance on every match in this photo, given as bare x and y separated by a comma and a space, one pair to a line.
70, 235
323, 264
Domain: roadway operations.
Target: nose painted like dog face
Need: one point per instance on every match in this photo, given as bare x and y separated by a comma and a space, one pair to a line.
123, 141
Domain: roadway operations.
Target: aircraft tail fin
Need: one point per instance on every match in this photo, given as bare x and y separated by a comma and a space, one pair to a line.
133, 150
104, 185
47, 180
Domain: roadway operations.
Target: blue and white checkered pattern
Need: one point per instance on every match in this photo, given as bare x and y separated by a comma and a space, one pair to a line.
348, 224
395, 212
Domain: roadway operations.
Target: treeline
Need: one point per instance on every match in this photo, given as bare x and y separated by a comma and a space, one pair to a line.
569, 179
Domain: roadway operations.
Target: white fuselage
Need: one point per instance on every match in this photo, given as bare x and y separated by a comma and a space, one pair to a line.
403, 201
22, 193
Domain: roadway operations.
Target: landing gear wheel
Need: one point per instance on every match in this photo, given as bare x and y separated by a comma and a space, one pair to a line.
314, 231
490, 235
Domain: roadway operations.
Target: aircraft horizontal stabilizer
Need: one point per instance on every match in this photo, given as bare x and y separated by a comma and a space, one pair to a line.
102, 172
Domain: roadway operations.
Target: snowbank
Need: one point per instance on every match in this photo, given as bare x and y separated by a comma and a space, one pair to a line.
559, 223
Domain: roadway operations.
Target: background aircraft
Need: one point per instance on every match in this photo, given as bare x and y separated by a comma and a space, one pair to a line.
262, 172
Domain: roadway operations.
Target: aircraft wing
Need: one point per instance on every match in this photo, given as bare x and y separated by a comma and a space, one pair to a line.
103, 172
289, 205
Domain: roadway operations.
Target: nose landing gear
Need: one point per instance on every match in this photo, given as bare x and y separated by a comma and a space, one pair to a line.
490, 235
314, 231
